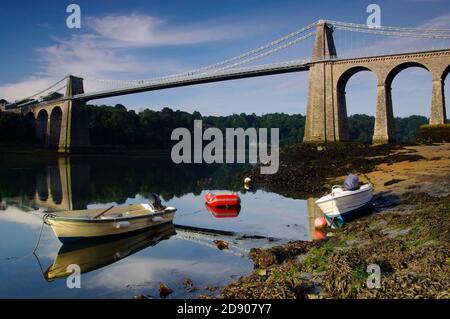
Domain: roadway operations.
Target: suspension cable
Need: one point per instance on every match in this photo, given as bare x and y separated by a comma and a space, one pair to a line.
400, 29
227, 61
47, 89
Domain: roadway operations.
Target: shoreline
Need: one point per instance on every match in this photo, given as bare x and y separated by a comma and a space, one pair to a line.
407, 235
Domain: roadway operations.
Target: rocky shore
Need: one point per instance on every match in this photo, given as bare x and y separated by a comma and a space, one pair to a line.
407, 235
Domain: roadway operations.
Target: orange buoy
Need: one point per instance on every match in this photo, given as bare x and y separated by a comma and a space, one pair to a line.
320, 222
318, 235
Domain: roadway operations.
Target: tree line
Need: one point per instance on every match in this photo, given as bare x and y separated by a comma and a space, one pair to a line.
149, 129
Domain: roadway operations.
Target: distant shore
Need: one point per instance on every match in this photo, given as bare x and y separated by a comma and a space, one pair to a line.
407, 235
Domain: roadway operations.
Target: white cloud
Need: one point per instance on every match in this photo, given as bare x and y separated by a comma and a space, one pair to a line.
108, 52
144, 30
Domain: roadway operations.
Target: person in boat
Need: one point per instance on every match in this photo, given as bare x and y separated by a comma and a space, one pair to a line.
155, 201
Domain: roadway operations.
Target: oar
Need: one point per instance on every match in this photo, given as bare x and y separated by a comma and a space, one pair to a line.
102, 213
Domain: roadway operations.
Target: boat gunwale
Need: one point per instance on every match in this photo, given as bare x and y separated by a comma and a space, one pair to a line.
359, 191
53, 217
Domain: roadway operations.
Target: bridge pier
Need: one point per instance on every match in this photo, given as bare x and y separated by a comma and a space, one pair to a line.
63, 124
437, 112
383, 130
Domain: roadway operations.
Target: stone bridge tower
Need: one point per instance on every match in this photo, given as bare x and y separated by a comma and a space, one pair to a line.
322, 122
63, 124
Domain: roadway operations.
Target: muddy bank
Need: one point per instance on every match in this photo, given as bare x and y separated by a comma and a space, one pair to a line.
407, 235
410, 243
305, 168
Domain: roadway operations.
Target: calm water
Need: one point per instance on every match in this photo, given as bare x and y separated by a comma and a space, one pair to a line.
136, 264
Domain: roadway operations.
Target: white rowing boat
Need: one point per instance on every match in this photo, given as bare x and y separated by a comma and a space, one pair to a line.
343, 205
75, 225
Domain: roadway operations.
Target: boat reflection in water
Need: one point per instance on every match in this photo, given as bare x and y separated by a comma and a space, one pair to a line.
224, 212
94, 254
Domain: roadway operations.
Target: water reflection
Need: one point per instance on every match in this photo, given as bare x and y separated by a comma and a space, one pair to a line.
99, 253
224, 212
314, 212
141, 261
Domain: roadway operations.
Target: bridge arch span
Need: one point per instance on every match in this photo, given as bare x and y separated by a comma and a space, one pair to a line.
30, 119
341, 96
41, 127
401, 67
445, 73
55, 126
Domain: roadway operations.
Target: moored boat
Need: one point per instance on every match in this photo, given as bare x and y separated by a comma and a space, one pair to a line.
342, 205
76, 225
222, 200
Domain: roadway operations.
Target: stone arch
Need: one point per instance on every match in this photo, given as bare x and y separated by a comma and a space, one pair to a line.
399, 68
445, 73
396, 110
341, 99
30, 120
445, 95
55, 184
41, 127
42, 185
55, 126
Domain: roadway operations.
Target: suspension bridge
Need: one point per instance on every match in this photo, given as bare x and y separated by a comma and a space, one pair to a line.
59, 111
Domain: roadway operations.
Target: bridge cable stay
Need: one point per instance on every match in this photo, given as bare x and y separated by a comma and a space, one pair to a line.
399, 29
394, 31
245, 57
234, 64
371, 37
48, 89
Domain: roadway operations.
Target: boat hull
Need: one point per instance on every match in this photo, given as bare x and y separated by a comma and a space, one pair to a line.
338, 220
70, 230
345, 201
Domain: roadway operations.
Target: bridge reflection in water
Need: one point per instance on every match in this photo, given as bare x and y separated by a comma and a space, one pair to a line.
56, 184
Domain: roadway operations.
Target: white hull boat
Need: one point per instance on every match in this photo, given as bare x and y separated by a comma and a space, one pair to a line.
75, 225
342, 205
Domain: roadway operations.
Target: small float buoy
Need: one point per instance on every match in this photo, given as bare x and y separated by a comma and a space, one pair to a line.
320, 222
247, 180
318, 235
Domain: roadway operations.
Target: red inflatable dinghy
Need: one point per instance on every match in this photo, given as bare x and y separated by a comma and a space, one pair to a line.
220, 200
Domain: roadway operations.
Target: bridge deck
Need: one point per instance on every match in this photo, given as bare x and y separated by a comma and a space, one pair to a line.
241, 73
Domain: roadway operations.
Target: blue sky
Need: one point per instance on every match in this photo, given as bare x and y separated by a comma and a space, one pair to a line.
143, 39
